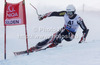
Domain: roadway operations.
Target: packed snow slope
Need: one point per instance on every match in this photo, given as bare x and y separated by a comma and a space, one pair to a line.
66, 53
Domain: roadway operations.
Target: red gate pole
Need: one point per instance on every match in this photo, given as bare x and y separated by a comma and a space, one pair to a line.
4, 31
26, 28
5, 43
26, 39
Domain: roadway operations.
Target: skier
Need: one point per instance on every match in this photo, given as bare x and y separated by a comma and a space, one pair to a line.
72, 22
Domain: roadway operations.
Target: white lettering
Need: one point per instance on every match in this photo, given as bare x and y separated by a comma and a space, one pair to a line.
10, 8
11, 12
12, 15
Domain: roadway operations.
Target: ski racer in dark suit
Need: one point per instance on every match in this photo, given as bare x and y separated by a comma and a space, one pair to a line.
72, 22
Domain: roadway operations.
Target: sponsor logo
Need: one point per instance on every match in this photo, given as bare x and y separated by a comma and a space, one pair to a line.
12, 11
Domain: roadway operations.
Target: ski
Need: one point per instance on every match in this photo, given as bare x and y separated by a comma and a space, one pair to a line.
20, 53
25, 52
33, 50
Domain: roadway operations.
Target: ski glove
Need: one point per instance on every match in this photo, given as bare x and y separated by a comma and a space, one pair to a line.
83, 38
40, 17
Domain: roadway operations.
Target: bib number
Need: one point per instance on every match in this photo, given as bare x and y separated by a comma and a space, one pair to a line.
70, 23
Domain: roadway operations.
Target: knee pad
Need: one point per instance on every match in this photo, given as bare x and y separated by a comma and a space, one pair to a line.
68, 39
42, 43
58, 40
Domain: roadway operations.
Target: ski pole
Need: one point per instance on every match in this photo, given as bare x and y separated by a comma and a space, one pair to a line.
35, 9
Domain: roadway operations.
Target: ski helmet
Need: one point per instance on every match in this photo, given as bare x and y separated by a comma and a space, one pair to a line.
70, 10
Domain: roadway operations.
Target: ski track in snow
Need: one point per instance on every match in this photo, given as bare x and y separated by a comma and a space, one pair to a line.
70, 54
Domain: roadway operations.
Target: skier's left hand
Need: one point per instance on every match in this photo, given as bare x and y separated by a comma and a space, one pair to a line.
82, 39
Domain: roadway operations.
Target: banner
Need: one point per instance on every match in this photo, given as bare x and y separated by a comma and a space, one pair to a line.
14, 14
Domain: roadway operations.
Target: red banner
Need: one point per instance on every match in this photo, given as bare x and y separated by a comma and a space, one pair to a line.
14, 14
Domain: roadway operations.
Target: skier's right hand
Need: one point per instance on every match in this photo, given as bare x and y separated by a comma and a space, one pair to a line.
40, 17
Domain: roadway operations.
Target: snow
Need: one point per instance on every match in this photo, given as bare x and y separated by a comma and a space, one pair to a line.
66, 53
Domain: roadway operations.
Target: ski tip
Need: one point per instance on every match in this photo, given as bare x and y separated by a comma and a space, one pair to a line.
15, 53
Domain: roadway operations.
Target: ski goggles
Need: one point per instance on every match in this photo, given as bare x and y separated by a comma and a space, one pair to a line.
70, 13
